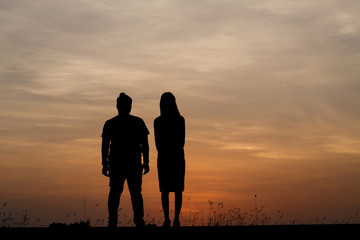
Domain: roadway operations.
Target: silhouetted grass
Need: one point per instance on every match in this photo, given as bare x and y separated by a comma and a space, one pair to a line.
76, 225
10, 219
217, 215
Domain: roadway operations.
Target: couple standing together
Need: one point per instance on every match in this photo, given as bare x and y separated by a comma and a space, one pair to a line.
125, 140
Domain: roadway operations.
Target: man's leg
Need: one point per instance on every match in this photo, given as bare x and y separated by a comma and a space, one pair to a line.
134, 184
116, 188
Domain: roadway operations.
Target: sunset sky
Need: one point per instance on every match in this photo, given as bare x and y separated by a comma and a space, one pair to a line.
270, 91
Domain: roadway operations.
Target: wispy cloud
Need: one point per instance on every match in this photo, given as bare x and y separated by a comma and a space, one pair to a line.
279, 64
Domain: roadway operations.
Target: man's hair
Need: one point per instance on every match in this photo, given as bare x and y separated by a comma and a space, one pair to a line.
124, 103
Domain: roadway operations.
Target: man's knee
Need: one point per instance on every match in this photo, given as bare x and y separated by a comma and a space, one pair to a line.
134, 188
135, 194
116, 191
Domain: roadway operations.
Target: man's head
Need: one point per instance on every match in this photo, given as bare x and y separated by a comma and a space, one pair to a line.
124, 104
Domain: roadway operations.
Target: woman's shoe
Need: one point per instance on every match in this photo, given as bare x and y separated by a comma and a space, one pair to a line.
176, 223
167, 223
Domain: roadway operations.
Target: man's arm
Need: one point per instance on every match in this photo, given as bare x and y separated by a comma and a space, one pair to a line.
104, 154
145, 151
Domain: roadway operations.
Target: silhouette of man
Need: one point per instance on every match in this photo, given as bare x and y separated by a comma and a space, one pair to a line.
124, 140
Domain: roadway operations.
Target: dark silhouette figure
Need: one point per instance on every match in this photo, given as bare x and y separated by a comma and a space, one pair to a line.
124, 140
170, 140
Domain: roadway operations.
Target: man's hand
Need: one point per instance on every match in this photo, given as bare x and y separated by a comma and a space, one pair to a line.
105, 155
146, 168
105, 170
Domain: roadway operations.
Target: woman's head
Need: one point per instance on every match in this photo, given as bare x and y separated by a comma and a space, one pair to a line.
168, 105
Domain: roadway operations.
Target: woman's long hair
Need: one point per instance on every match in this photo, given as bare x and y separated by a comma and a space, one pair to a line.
168, 107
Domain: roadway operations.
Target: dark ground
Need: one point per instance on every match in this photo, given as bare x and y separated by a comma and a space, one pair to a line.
342, 231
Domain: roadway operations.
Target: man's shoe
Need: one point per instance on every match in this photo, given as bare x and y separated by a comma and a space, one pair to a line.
140, 224
112, 225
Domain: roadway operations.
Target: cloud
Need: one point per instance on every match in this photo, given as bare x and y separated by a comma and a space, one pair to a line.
241, 54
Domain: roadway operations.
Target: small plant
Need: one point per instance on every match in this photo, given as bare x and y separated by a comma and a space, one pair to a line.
219, 216
280, 216
10, 219
76, 225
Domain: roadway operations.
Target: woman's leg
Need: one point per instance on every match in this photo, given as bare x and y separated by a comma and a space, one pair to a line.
165, 206
178, 204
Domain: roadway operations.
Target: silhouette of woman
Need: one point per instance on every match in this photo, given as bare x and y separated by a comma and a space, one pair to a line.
170, 140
